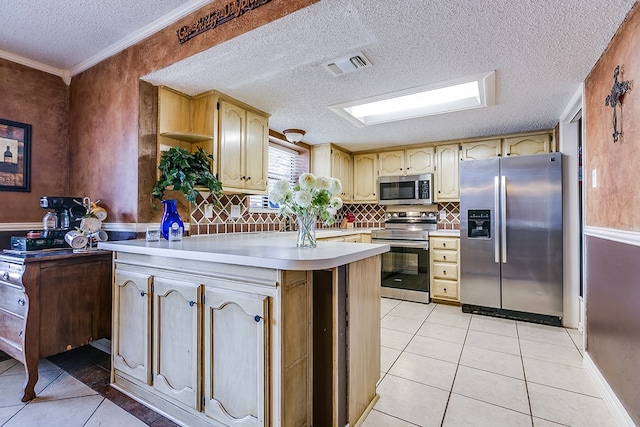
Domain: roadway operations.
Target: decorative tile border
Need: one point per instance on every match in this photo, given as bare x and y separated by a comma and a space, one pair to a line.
367, 216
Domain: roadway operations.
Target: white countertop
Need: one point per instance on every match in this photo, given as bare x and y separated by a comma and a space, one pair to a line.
267, 249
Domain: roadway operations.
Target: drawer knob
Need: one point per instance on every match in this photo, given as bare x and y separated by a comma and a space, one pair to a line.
257, 318
20, 334
192, 303
5, 275
21, 302
444, 257
444, 245
444, 271
445, 290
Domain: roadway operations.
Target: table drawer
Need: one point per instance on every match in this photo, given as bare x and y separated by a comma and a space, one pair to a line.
445, 270
445, 289
12, 299
440, 255
11, 328
444, 243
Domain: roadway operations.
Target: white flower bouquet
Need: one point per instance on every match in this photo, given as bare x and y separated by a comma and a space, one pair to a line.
311, 199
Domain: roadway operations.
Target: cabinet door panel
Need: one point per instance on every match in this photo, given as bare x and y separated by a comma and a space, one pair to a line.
131, 331
480, 150
256, 152
365, 179
447, 183
392, 163
232, 128
419, 161
235, 337
526, 145
176, 350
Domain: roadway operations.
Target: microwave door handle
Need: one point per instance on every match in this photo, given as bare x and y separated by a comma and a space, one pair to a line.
496, 210
503, 217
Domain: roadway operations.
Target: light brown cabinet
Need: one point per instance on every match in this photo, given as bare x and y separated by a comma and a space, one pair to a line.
236, 134
445, 271
447, 177
330, 161
412, 161
365, 178
524, 145
243, 149
485, 149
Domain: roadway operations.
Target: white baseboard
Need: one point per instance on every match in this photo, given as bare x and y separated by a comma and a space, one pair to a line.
581, 315
620, 414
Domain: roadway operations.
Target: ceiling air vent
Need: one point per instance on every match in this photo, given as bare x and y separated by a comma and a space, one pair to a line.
347, 64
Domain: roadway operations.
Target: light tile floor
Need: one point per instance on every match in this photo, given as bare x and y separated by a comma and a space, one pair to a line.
440, 367
62, 401
443, 367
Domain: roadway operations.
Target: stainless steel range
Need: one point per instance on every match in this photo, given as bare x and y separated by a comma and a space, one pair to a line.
405, 268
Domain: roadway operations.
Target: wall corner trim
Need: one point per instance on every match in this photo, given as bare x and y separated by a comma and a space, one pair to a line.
620, 236
620, 414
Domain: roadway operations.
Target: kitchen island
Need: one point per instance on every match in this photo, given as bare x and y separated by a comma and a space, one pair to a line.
247, 329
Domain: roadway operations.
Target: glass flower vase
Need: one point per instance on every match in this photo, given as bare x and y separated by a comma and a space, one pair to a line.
306, 231
170, 217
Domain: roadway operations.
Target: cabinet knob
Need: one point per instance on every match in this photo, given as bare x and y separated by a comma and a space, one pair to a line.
248, 178
257, 318
143, 293
444, 272
243, 177
20, 334
21, 302
5, 275
444, 245
445, 290
444, 257
192, 303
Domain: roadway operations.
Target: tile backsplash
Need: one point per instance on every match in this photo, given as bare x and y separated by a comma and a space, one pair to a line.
221, 221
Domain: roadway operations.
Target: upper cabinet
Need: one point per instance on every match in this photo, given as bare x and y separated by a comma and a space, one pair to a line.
392, 163
236, 134
525, 145
365, 178
447, 179
243, 148
331, 161
485, 149
516, 145
413, 161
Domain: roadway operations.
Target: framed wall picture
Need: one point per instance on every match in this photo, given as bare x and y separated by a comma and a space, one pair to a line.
15, 160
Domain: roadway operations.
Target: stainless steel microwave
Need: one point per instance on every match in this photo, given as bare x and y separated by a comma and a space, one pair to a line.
405, 190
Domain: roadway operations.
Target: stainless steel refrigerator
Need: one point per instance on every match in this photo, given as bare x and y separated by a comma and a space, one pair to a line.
511, 237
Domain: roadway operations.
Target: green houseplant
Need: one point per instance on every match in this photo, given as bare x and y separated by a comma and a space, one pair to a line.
185, 171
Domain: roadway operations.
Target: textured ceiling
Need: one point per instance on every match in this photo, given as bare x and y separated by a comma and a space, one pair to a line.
541, 52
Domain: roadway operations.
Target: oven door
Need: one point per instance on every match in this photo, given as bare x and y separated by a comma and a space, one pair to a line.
405, 271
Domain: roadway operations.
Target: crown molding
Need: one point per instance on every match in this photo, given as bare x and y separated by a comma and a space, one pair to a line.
139, 35
115, 48
64, 74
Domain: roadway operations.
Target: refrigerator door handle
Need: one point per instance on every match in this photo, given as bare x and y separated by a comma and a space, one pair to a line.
503, 217
496, 209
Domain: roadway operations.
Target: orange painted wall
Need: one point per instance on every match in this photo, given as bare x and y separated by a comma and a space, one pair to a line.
41, 100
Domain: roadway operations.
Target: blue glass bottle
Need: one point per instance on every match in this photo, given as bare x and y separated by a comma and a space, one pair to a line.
170, 217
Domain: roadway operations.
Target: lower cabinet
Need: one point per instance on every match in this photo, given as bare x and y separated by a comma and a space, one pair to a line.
445, 272
234, 357
193, 346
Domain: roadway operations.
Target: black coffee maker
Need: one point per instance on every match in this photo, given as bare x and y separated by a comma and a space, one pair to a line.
69, 211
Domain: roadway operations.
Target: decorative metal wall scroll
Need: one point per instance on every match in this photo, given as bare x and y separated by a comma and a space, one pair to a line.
614, 98
228, 11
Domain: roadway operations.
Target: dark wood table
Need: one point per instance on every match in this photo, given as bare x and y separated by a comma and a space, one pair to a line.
51, 302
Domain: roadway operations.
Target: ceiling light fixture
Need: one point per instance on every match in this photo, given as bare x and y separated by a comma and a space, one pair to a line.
454, 95
293, 135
